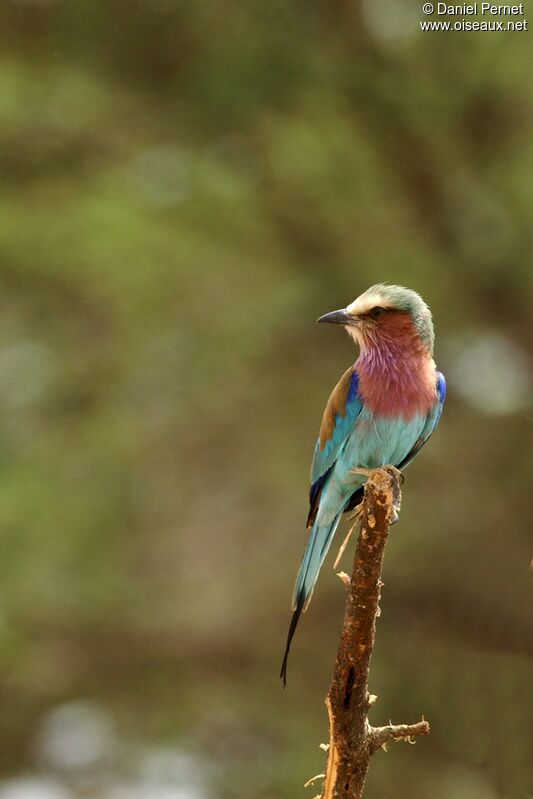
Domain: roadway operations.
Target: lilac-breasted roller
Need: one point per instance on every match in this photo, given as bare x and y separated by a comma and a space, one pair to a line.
382, 411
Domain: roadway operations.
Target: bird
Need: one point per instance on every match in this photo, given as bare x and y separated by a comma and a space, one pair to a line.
381, 412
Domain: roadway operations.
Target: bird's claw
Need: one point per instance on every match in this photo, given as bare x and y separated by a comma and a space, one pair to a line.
361, 470
396, 491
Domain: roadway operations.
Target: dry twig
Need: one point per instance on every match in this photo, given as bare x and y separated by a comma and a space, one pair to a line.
353, 740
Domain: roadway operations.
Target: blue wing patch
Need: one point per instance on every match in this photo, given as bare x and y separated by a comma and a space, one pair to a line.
441, 388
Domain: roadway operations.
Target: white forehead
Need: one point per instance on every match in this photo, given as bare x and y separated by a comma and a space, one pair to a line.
366, 302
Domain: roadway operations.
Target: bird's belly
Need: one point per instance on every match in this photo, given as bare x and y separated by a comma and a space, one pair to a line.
374, 442
377, 441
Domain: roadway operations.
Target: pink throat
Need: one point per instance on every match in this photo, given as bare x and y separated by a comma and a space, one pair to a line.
397, 379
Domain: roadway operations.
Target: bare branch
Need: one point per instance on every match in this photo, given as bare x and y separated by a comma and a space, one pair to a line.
396, 732
353, 740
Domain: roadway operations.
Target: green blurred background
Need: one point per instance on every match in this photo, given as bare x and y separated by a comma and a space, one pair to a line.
185, 187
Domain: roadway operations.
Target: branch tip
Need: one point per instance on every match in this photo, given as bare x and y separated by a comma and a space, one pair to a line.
313, 779
379, 736
344, 578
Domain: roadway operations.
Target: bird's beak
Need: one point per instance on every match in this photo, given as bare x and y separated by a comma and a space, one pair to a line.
341, 317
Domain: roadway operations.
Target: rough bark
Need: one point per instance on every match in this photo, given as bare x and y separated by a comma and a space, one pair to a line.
353, 740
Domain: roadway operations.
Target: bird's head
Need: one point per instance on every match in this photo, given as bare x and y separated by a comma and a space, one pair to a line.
385, 313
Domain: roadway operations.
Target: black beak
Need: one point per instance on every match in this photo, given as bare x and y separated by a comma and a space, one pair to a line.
341, 317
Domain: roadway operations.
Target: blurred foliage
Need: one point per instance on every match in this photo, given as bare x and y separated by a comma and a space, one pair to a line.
186, 187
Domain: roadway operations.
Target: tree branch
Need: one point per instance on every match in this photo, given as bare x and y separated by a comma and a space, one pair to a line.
353, 740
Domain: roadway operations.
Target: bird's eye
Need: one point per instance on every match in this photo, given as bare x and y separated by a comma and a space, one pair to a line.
375, 313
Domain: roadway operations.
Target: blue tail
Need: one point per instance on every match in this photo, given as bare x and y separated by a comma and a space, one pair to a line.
315, 553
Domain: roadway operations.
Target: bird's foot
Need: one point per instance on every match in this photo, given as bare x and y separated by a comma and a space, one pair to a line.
397, 495
362, 470
395, 472
388, 468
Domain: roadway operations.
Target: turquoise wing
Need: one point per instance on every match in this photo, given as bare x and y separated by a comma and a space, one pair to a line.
338, 421
431, 422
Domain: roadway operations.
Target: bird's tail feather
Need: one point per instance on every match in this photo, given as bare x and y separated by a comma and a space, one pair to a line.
292, 629
314, 556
